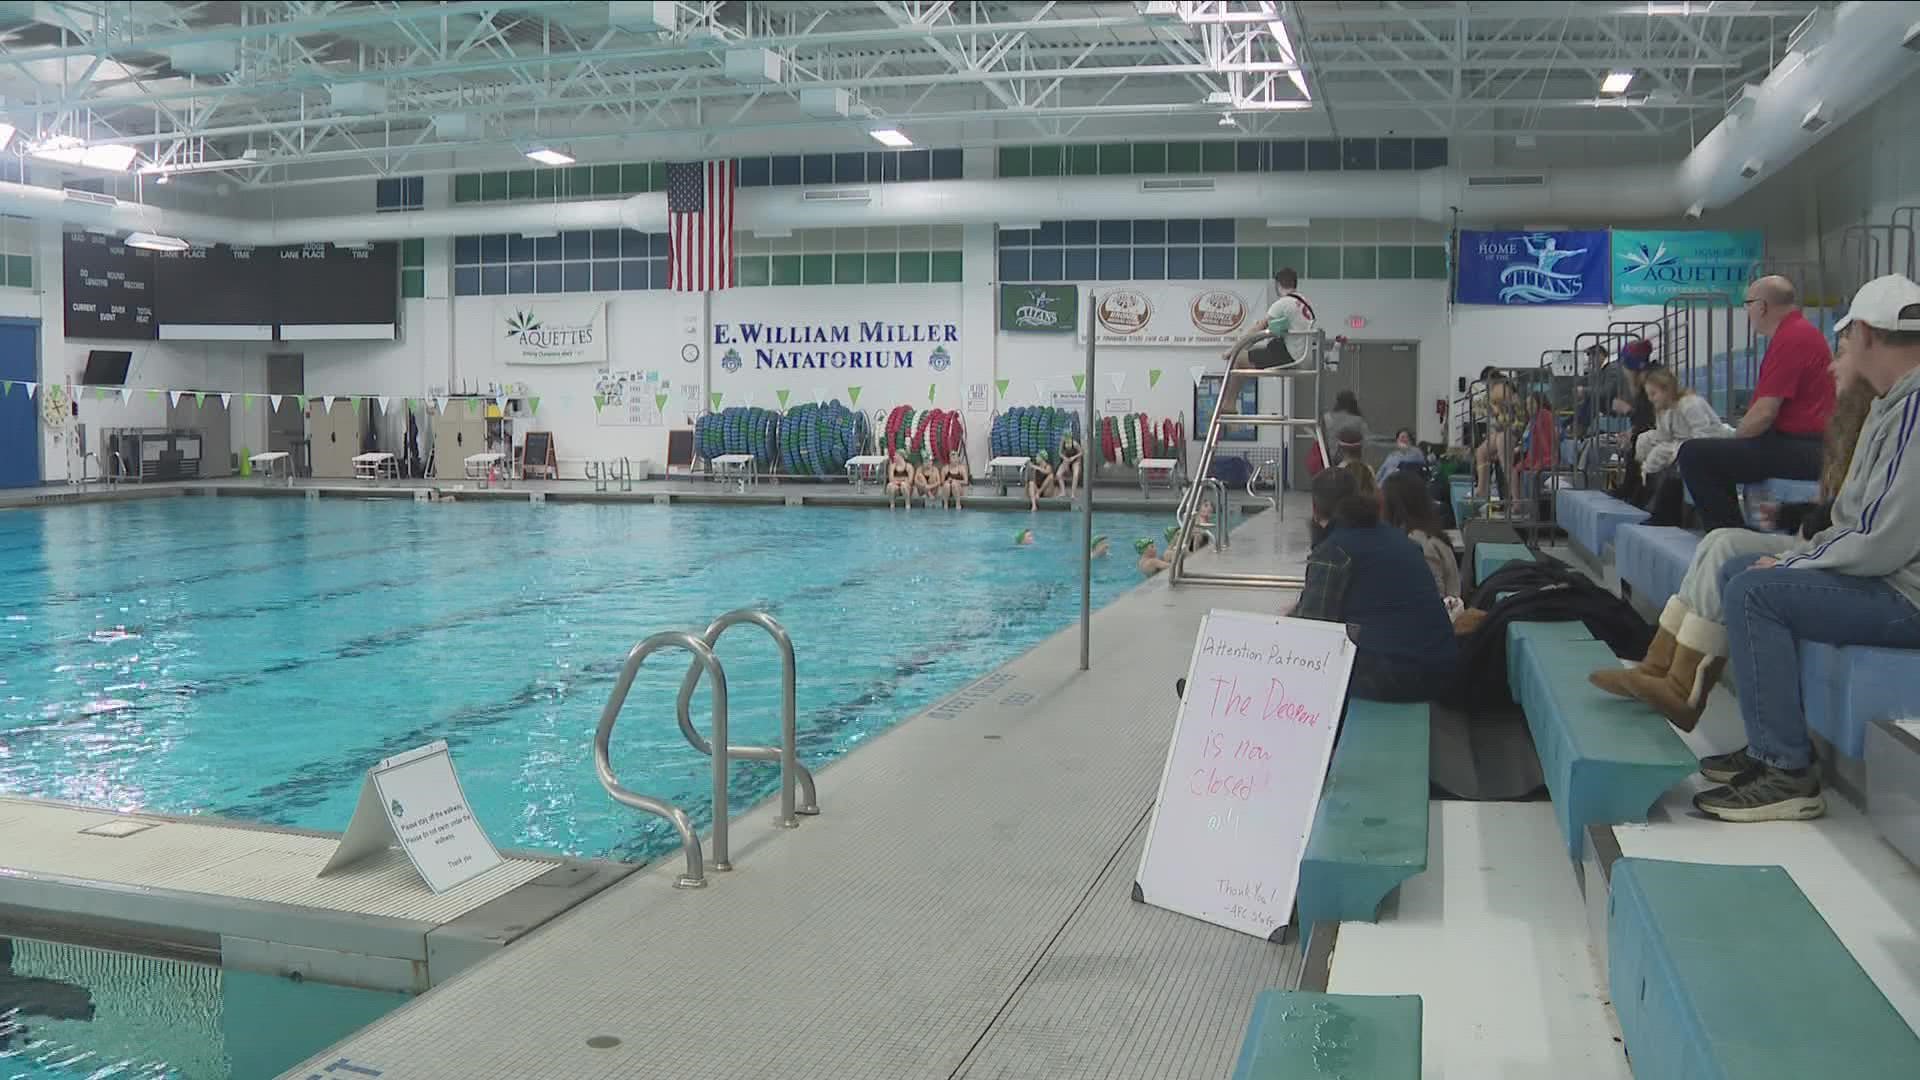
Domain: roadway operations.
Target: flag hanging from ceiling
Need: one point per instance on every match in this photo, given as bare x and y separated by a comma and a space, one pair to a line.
700, 225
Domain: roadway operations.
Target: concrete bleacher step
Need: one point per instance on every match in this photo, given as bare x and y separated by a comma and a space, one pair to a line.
1606, 759
1370, 832
1490, 557
1301, 1035
1729, 973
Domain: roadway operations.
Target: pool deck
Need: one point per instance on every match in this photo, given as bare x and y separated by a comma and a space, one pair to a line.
250, 896
961, 907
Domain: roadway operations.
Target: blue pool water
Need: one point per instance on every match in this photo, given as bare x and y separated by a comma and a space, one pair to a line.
267, 651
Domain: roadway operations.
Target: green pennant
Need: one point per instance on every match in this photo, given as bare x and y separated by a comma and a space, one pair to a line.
153, 395
1079, 382
6, 387
853, 394
660, 401
473, 406
933, 390
599, 402
100, 393
1153, 377
1000, 386
246, 402
716, 396
533, 405
406, 403
300, 400
782, 395
199, 398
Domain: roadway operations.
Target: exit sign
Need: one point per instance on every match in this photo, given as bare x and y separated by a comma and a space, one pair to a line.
1356, 322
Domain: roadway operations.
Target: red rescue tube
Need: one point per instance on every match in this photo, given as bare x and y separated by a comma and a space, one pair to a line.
956, 435
920, 430
893, 427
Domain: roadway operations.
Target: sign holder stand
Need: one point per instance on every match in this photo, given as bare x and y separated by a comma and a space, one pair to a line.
414, 801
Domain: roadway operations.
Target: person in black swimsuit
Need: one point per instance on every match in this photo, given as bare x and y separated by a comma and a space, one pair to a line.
1072, 463
899, 478
1041, 480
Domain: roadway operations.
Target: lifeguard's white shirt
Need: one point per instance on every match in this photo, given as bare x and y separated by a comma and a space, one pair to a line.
1292, 315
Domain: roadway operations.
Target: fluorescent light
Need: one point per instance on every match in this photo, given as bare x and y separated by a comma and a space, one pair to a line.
156, 242
1616, 82
890, 137
1669, 9
68, 150
546, 155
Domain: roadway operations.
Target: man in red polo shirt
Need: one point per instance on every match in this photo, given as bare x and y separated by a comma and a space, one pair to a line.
1780, 437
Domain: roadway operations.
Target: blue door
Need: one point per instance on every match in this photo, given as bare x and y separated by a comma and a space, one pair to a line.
19, 414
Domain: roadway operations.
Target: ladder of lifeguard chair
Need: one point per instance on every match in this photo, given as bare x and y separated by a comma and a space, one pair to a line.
1309, 367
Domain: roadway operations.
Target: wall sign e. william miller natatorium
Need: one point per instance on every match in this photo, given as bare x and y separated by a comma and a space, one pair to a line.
551, 334
876, 344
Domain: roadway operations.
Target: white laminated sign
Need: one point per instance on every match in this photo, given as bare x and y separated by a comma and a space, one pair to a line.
414, 801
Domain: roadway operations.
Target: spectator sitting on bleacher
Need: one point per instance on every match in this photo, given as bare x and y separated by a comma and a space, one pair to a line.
1408, 507
1779, 437
1679, 416
1690, 650
1859, 584
1367, 575
1404, 455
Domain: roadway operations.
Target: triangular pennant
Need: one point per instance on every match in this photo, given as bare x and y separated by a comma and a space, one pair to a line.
599, 402
533, 404
933, 391
659, 401
1153, 378
273, 402
31, 387
784, 394
716, 397
126, 393
1196, 371
153, 393
6, 387
1079, 382
199, 397
406, 404
100, 393
820, 394
748, 400
853, 395
326, 402
1000, 386
440, 404
300, 400
246, 401
1039, 389
173, 397
500, 399
384, 401
1119, 381
226, 401
473, 406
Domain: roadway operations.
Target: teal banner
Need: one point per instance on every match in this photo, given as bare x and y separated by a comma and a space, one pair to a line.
1651, 267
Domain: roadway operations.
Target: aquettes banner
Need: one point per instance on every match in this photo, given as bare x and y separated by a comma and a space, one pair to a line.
1651, 267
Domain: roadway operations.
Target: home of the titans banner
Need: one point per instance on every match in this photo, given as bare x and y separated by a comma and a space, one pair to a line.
876, 344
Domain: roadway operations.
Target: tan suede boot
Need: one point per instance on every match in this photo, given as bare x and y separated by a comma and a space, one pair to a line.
1699, 656
1659, 654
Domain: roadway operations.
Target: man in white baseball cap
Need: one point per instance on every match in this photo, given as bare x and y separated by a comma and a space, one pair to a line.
1856, 583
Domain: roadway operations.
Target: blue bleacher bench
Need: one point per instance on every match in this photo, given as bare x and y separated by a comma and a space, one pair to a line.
1653, 560
1460, 495
1606, 759
1846, 688
1729, 973
1370, 832
1301, 1035
1490, 557
1591, 517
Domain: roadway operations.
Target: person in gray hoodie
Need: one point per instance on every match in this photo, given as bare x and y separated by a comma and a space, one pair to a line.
1858, 583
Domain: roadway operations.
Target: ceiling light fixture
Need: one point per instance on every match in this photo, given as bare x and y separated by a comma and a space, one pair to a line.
890, 137
547, 155
156, 242
67, 150
1616, 82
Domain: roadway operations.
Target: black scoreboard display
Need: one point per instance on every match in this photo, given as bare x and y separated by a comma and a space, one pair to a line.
215, 286
328, 285
109, 289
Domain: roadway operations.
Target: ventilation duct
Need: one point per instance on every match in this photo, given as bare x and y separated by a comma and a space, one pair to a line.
1513, 181
1178, 183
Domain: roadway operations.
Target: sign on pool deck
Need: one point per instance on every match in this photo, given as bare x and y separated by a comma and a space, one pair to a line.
1243, 776
415, 800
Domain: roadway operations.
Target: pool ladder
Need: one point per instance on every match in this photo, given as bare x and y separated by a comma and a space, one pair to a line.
794, 777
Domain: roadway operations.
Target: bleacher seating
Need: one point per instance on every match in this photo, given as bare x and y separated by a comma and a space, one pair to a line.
1652, 560
1490, 557
1728, 971
1606, 759
1847, 688
1302, 1035
1591, 518
1370, 833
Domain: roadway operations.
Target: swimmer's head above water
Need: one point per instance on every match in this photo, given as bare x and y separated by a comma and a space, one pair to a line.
1023, 538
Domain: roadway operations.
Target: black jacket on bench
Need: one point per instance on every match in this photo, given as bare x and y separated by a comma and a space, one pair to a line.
1542, 592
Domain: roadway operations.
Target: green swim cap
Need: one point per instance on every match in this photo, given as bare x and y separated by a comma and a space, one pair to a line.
1021, 536
1172, 531
1040, 455
1141, 545
1098, 540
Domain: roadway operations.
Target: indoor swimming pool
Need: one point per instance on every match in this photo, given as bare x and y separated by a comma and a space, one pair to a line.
252, 657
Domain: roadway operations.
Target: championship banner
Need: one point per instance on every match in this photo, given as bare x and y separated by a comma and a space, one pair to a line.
1651, 267
1040, 309
1145, 313
547, 333
1525, 269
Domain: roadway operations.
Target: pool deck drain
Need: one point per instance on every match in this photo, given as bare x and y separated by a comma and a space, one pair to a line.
960, 909
251, 896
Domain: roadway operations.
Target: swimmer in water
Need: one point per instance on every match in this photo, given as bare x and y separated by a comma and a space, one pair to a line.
1101, 549
1150, 561
1023, 538
899, 478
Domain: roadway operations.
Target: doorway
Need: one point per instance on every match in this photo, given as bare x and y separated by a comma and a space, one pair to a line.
206, 414
287, 425
1385, 376
19, 410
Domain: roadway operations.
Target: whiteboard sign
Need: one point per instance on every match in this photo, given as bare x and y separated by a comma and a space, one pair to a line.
1116, 406
1243, 776
414, 800
1070, 400
977, 397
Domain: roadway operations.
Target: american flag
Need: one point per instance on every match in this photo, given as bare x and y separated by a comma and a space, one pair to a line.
700, 225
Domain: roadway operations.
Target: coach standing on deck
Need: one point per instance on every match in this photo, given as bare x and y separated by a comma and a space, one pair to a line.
1780, 436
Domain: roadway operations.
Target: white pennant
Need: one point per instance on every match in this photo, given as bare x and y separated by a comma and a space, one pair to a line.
226, 400
1039, 389
326, 402
31, 387
1196, 371
500, 400
274, 400
820, 395
173, 397
383, 399
1119, 381
440, 404
126, 393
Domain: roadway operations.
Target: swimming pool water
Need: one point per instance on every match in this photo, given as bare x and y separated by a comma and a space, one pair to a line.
252, 657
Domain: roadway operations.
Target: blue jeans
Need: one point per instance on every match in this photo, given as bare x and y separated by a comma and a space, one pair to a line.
1769, 612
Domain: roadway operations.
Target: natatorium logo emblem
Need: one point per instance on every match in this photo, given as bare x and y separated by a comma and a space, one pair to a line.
731, 361
1038, 313
940, 359
520, 322
530, 332
1648, 264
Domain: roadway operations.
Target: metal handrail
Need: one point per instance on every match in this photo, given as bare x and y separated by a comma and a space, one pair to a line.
695, 877
792, 772
1308, 367
1253, 477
